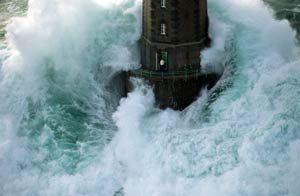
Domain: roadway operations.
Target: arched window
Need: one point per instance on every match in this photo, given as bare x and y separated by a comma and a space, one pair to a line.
163, 3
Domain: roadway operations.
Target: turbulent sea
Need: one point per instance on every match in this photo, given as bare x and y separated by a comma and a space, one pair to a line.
65, 132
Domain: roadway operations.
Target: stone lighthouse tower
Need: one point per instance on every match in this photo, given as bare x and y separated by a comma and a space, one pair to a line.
174, 32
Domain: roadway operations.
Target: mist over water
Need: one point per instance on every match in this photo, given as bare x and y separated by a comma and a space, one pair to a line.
63, 130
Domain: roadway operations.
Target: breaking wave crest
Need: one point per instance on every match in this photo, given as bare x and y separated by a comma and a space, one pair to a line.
63, 133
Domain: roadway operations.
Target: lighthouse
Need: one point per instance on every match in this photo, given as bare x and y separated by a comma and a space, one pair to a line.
174, 33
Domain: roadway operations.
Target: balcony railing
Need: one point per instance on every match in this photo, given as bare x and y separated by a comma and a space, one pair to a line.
167, 75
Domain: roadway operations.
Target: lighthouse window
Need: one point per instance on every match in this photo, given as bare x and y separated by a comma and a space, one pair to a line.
163, 29
163, 3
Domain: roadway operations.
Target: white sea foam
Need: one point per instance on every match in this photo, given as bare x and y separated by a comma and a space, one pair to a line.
241, 138
48, 76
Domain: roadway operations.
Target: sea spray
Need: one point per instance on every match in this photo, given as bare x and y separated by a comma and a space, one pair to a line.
244, 146
56, 106
241, 140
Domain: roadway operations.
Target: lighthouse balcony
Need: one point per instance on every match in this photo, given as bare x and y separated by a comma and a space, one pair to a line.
175, 89
168, 75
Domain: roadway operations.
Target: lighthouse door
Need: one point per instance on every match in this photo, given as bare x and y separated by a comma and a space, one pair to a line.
162, 61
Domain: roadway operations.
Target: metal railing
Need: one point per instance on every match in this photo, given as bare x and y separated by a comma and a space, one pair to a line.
184, 74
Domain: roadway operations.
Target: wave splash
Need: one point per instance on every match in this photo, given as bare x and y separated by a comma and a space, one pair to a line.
59, 125
58, 88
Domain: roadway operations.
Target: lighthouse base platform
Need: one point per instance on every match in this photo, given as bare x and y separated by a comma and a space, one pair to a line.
176, 90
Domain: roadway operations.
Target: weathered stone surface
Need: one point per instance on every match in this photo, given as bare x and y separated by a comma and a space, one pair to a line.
186, 32
176, 93
178, 49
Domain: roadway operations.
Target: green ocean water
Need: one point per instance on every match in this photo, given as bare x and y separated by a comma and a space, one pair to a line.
65, 131
287, 9
8, 9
